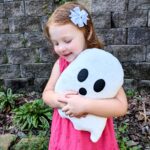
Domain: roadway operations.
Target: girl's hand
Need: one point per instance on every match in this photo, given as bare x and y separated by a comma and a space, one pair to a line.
75, 105
61, 104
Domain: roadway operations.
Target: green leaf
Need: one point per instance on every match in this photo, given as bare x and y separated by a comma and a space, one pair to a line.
24, 125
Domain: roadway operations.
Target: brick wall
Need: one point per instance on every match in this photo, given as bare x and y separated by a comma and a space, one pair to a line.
124, 26
25, 60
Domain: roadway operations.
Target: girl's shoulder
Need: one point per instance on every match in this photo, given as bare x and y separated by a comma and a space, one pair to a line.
56, 64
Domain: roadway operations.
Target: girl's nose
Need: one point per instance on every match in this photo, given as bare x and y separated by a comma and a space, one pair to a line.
61, 48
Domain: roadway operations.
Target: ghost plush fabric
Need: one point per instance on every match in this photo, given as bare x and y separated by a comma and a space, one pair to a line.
95, 74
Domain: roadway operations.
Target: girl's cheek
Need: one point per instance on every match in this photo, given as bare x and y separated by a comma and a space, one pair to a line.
55, 51
69, 46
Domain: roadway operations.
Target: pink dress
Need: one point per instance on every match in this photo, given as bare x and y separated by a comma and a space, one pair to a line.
65, 137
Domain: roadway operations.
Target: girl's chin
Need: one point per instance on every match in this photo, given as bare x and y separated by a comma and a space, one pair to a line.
69, 58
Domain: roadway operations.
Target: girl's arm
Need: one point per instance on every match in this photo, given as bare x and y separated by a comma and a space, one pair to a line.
49, 96
113, 107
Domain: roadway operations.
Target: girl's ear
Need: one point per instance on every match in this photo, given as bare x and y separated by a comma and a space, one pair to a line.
90, 34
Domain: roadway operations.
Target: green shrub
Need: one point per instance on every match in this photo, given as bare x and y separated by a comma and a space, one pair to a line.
130, 93
32, 115
7, 99
32, 143
122, 139
64, 1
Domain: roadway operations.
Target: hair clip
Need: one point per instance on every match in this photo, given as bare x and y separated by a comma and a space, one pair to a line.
79, 17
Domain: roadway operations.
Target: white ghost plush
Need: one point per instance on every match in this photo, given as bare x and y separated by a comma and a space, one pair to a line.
95, 74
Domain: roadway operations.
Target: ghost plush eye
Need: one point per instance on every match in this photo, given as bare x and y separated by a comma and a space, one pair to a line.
99, 85
82, 75
82, 91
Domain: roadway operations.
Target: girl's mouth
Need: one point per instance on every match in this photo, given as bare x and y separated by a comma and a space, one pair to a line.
67, 54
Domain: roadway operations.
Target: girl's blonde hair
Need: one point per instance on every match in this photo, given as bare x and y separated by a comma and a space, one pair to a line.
61, 17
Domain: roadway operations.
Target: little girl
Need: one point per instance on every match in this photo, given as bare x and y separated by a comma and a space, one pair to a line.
71, 31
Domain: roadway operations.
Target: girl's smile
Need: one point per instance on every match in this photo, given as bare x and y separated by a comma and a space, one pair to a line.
66, 55
68, 41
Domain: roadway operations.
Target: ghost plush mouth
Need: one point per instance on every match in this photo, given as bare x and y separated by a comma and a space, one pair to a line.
92, 74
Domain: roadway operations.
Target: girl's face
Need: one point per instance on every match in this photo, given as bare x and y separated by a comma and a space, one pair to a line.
68, 41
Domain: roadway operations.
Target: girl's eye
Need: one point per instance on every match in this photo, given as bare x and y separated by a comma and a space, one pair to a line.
55, 44
68, 41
